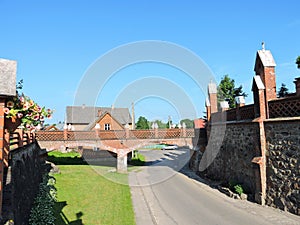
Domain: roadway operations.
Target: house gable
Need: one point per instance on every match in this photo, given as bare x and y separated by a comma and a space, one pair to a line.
106, 118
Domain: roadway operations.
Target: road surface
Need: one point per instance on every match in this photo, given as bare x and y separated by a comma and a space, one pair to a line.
163, 196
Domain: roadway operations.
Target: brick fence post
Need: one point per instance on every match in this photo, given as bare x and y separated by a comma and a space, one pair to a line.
20, 138
2, 141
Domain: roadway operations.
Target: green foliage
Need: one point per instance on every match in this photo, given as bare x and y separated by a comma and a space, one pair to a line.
68, 158
138, 159
298, 62
238, 189
42, 211
227, 91
161, 124
142, 123
26, 110
235, 187
189, 123
283, 91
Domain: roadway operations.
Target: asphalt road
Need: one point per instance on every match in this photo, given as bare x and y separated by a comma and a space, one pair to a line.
163, 196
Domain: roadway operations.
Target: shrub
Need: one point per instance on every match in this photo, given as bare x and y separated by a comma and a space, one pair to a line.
238, 189
42, 211
235, 187
138, 159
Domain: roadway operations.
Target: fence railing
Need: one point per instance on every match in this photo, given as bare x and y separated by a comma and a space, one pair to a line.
67, 135
19, 138
284, 107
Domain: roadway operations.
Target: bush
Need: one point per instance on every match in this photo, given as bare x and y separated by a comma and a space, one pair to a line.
238, 189
235, 187
137, 160
42, 211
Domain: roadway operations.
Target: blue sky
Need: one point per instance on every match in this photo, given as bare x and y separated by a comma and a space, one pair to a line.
55, 42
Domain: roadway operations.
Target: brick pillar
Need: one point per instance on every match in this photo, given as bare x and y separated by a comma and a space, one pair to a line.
224, 106
156, 131
65, 132
2, 145
297, 84
212, 94
20, 138
208, 109
127, 134
184, 130
122, 162
260, 104
265, 68
240, 102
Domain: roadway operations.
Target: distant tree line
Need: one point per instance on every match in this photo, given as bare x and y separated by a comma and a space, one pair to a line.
143, 123
283, 90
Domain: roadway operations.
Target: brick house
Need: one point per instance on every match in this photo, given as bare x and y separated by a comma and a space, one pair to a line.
104, 118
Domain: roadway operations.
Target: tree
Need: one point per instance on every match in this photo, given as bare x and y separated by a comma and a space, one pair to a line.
283, 91
227, 91
142, 123
298, 62
189, 123
160, 124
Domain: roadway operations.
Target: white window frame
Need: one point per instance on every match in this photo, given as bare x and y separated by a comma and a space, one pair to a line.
107, 126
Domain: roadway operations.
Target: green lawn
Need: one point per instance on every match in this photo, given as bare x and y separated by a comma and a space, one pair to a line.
86, 197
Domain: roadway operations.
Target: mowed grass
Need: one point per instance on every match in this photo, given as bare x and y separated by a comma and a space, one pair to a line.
85, 197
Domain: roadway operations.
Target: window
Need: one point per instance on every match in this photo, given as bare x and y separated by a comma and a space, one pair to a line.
107, 126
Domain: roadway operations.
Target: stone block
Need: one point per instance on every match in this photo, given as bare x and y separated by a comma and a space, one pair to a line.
8, 71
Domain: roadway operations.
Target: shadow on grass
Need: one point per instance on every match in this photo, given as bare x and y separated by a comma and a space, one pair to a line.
61, 218
66, 160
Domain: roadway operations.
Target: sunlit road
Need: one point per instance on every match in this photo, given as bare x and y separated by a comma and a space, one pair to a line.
163, 196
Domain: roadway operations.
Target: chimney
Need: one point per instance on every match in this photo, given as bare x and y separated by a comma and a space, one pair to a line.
297, 84
99, 112
240, 101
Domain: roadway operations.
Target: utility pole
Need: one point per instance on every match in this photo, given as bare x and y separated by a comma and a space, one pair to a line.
132, 116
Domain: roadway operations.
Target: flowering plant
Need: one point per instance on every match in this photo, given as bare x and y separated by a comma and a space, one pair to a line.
29, 112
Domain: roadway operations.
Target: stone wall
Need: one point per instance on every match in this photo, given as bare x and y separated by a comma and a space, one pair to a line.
233, 161
241, 143
27, 169
283, 164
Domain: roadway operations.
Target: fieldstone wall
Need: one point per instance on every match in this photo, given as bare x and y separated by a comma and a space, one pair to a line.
27, 169
283, 164
237, 149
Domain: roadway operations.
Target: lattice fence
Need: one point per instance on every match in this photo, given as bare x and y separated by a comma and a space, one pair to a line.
247, 112
231, 115
287, 107
112, 135
81, 135
50, 135
190, 133
142, 134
